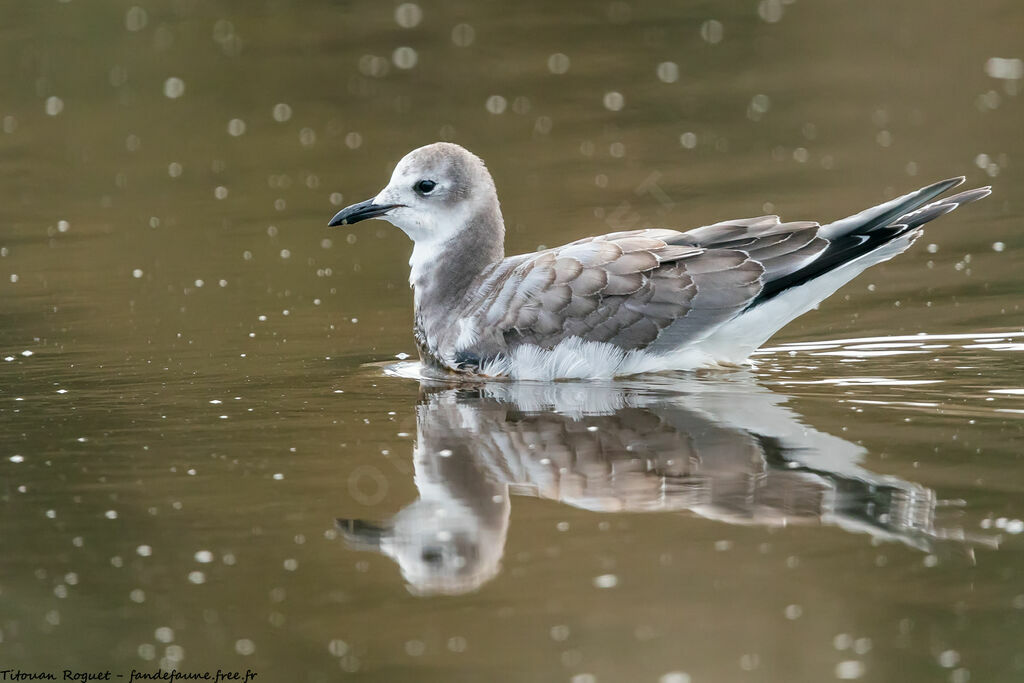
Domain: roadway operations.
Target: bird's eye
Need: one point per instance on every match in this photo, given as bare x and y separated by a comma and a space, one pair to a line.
424, 186
432, 555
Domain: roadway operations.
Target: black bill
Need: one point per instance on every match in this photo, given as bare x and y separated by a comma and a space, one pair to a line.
360, 212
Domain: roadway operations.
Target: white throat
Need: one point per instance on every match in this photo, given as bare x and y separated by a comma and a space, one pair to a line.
426, 255
430, 244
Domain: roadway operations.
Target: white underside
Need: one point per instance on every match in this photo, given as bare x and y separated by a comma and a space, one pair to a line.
575, 358
728, 345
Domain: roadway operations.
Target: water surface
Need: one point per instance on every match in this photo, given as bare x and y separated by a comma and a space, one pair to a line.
197, 377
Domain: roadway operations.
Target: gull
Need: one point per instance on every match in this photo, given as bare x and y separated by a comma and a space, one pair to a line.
619, 304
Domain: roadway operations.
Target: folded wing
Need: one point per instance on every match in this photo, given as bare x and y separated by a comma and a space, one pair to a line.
659, 289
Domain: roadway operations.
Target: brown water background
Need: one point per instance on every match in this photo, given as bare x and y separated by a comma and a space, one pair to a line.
193, 386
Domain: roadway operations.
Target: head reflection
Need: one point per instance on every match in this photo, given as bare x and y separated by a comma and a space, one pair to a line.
725, 449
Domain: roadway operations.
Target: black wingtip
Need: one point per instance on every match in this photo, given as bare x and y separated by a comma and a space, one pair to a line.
906, 218
969, 195
938, 188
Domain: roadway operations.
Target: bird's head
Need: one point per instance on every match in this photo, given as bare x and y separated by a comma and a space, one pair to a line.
434, 192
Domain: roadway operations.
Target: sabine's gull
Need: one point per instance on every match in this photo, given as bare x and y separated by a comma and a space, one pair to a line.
622, 303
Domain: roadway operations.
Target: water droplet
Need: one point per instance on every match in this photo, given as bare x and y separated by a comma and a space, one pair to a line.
849, 670
135, 19
760, 103
404, 57
236, 127
496, 104
1007, 69
408, 15
668, 72
770, 10
54, 105
372, 65
712, 31
674, 677
463, 35
174, 87
282, 112
614, 101
558, 63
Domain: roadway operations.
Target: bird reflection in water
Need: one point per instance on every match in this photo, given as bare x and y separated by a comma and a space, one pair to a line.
725, 449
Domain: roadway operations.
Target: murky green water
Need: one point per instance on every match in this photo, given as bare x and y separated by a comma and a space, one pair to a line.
198, 376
